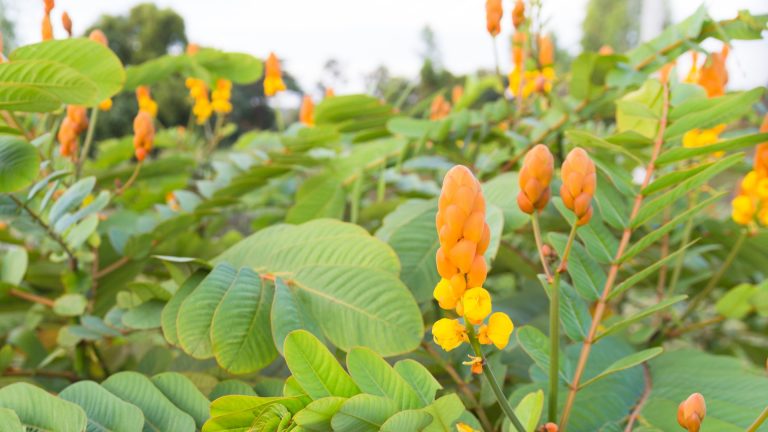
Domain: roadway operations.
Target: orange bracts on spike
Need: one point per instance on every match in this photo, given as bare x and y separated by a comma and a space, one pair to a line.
47, 28
691, 412
535, 177
579, 183
192, 49
49, 4
143, 134
518, 14
273, 80
145, 101
546, 51
66, 21
518, 46
75, 123
714, 74
307, 111
329, 93
605, 50
440, 108
493, 14
221, 95
98, 36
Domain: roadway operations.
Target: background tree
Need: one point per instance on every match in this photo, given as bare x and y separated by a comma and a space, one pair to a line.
7, 29
611, 22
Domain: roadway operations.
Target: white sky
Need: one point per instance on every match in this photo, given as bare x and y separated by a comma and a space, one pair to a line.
363, 34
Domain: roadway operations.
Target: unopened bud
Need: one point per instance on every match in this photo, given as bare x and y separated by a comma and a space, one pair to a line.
691, 412
535, 177
579, 183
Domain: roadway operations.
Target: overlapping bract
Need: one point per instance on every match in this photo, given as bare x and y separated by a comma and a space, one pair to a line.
579, 183
143, 134
221, 95
464, 237
198, 91
74, 124
273, 79
145, 101
493, 14
691, 412
535, 177
752, 199
307, 111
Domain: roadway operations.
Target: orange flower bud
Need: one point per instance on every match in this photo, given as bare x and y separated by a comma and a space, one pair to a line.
714, 75
605, 50
66, 21
456, 93
761, 152
78, 116
475, 364
307, 111
440, 108
518, 13
546, 51
273, 81
550, 427
518, 47
67, 137
535, 177
329, 93
98, 36
493, 13
192, 48
47, 28
579, 183
48, 6
691, 412
143, 134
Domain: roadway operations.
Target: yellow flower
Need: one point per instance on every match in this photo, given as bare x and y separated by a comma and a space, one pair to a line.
202, 110
476, 305
497, 331
749, 183
221, 95
743, 209
273, 80
463, 427
762, 189
703, 137
448, 333
145, 101
106, 104
443, 293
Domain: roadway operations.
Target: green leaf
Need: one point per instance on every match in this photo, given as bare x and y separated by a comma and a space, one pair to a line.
144, 316
653, 207
683, 153
673, 178
646, 271
66, 84
38, 409
586, 139
72, 198
19, 163
418, 377
675, 222
588, 278
656, 52
106, 412
363, 413
375, 376
180, 390
528, 411
159, 413
153, 71
27, 99
231, 387
627, 362
410, 230
171, 310
321, 196
289, 314
726, 109
574, 314
196, 312
409, 420
239, 68
316, 416
444, 411
91, 59
640, 110
735, 391
240, 332
345, 278
315, 368
502, 191
13, 264
736, 303
623, 323
536, 345
70, 305
10, 420
239, 413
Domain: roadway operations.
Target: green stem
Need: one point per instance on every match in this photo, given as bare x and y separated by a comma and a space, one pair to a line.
713, 282
554, 328
88, 142
540, 244
354, 197
496, 59
759, 421
500, 398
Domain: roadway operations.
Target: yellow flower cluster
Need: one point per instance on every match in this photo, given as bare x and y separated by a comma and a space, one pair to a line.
752, 199
221, 95
145, 101
198, 91
273, 79
703, 137
464, 237
534, 81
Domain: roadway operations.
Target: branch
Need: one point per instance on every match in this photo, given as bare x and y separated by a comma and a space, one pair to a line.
31, 297
614, 270
48, 229
12, 372
646, 392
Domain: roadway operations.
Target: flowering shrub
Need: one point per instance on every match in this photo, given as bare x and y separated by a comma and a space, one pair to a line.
361, 268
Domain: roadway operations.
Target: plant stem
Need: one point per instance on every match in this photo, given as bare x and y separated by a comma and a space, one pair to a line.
614, 269
759, 421
31, 297
540, 244
496, 58
462, 385
500, 398
49, 230
130, 181
713, 282
88, 142
554, 328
